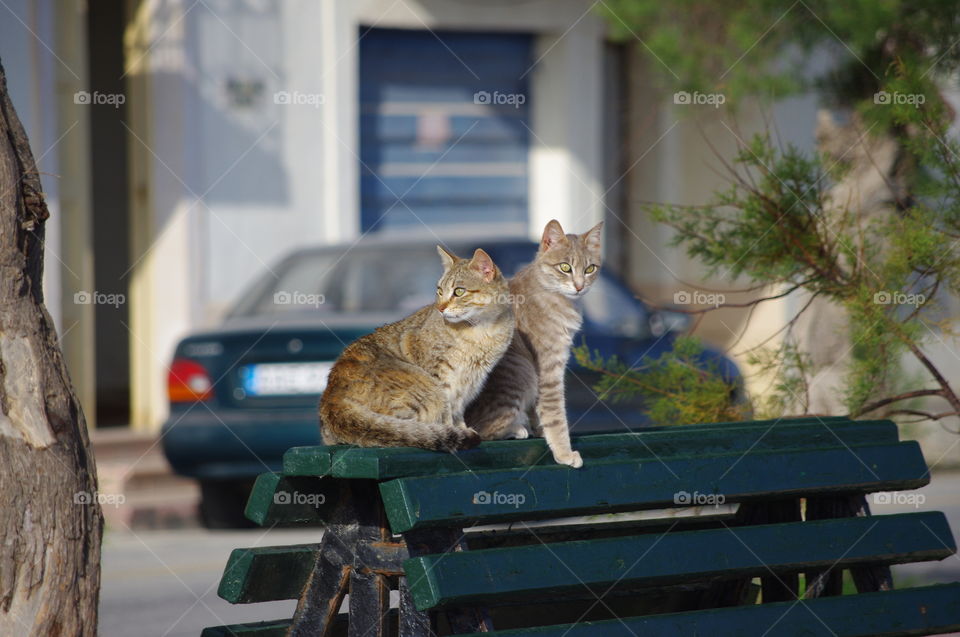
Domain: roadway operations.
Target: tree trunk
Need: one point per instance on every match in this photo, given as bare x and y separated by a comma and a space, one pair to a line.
50, 521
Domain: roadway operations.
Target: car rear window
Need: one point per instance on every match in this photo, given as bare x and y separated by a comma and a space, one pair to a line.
359, 281
401, 279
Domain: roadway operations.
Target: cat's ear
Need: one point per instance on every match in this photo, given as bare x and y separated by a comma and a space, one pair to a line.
591, 238
482, 263
447, 257
552, 235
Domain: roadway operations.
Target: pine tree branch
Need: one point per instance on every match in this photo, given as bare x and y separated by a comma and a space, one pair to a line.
947, 391
786, 327
895, 399
721, 306
925, 415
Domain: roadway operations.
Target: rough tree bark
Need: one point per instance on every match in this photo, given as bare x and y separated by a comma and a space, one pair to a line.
50, 523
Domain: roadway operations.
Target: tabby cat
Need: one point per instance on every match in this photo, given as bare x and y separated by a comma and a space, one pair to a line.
525, 390
407, 383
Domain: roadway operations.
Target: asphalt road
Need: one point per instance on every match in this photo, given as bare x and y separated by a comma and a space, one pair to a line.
164, 583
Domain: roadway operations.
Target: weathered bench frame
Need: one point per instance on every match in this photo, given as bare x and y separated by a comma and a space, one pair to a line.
394, 514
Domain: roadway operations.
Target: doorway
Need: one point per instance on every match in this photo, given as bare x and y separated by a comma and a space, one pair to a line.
111, 221
444, 129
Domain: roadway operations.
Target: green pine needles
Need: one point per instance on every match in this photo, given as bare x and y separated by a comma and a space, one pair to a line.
677, 388
785, 223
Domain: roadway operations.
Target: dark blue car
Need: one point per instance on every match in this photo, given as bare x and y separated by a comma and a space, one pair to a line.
241, 395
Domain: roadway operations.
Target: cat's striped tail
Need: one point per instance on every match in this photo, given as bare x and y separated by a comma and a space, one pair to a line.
349, 422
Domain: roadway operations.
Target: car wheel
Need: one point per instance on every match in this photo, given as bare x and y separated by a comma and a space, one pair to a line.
222, 503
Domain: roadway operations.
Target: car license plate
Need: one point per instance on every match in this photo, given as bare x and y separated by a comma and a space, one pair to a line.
285, 379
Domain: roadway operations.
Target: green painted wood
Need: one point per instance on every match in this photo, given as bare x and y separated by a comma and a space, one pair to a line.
268, 573
275, 628
280, 572
695, 440
310, 461
554, 491
591, 527
295, 500
759, 423
317, 461
913, 611
546, 571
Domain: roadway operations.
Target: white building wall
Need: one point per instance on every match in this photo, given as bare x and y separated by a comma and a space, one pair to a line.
30, 69
237, 177
565, 154
277, 153
42, 46
166, 181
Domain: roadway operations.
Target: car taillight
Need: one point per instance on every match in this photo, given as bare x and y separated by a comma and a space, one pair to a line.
188, 381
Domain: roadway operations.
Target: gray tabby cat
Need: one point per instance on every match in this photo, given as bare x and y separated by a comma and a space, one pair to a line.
408, 383
525, 390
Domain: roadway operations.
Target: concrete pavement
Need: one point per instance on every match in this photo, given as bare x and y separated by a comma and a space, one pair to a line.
164, 583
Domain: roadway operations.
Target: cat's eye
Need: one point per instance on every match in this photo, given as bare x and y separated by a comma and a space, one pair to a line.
459, 291
439, 290
590, 269
565, 267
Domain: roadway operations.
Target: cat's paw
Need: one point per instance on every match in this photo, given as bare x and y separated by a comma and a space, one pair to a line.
459, 439
518, 431
571, 459
470, 438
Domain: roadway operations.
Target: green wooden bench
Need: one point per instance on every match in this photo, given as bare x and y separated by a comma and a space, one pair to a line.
465, 542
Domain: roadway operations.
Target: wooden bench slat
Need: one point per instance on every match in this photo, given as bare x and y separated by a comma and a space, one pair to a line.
557, 491
790, 420
265, 574
545, 571
926, 610
521, 534
270, 573
387, 463
321, 458
275, 628
277, 500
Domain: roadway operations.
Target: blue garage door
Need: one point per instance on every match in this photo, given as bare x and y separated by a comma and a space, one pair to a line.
443, 128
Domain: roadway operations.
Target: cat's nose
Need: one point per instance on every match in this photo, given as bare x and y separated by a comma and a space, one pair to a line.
441, 307
579, 286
